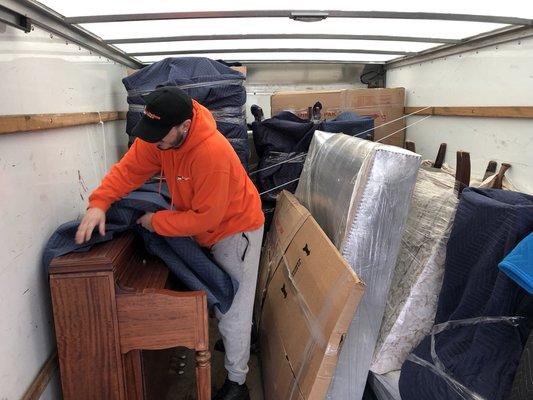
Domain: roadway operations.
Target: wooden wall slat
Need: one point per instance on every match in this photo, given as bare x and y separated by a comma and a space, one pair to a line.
489, 112
36, 122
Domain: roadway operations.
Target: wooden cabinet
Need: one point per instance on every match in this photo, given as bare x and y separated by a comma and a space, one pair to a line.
110, 303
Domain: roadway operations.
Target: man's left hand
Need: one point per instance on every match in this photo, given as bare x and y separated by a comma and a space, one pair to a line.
146, 221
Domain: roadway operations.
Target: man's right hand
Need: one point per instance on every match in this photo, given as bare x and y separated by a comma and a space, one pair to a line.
94, 217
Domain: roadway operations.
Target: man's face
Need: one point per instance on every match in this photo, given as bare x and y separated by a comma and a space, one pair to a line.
170, 140
174, 138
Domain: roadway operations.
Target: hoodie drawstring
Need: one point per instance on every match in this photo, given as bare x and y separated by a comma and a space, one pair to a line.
160, 187
160, 180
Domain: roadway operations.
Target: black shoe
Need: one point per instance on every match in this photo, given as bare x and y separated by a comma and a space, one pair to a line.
232, 391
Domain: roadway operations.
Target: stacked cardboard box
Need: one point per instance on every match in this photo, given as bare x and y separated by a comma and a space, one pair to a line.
307, 296
384, 105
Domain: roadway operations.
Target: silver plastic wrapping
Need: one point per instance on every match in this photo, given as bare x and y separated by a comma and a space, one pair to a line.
359, 192
417, 280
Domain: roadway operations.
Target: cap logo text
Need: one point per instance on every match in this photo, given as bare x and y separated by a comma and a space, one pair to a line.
151, 115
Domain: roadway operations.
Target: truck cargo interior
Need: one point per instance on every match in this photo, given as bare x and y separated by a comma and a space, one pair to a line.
280, 201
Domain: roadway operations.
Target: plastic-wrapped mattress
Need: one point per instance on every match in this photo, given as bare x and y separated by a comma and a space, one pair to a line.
359, 192
415, 288
211, 83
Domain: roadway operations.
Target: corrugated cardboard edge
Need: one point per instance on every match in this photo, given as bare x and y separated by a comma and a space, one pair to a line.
329, 360
329, 363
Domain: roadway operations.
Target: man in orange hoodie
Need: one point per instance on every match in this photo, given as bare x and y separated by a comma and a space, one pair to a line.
213, 200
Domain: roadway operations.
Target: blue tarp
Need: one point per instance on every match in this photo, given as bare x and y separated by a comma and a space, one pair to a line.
518, 265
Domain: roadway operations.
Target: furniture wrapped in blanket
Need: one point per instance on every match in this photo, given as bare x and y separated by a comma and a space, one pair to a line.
278, 171
483, 317
211, 83
351, 124
182, 255
282, 142
417, 280
359, 193
284, 132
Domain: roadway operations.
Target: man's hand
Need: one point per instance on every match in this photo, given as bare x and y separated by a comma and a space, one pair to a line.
146, 221
94, 217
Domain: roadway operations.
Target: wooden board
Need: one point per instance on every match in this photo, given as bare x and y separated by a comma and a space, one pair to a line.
41, 381
161, 319
87, 336
490, 112
37, 122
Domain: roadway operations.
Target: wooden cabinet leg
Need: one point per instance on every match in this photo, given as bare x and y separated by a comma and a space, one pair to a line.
203, 375
133, 375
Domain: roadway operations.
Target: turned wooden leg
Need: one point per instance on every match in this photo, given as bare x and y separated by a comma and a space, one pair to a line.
203, 375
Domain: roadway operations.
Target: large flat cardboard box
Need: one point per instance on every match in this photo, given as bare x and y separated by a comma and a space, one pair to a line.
310, 298
288, 219
384, 105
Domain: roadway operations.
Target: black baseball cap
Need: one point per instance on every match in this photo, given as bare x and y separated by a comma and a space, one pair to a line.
166, 107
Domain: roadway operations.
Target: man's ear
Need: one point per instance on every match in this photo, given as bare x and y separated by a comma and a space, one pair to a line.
186, 124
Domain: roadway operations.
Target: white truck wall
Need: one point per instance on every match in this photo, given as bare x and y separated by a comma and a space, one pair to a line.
45, 179
493, 76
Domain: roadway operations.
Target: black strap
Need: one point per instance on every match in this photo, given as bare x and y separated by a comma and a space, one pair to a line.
247, 244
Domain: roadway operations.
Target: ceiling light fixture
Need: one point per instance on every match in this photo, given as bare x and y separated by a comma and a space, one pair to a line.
308, 16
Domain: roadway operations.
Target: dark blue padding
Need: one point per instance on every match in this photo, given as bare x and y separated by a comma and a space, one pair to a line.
224, 93
183, 256
351, 124
286, 136
482, 357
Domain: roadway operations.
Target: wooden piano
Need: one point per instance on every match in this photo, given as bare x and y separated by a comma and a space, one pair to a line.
109, 304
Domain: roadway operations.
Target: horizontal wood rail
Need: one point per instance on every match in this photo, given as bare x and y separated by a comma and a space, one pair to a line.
37, 122
489, 112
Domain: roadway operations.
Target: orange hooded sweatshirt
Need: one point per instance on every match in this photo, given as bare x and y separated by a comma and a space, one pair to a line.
212, 195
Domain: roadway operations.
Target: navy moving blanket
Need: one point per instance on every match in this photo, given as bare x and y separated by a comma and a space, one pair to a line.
483, 318
213, 84
182, 255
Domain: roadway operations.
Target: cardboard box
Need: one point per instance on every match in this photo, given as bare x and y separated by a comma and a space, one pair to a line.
384, 105
310, 298
288, 219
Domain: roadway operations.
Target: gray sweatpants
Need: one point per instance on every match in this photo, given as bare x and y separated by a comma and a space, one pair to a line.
238, 255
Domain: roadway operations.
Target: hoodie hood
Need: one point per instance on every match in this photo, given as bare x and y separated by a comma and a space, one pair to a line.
203, 125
